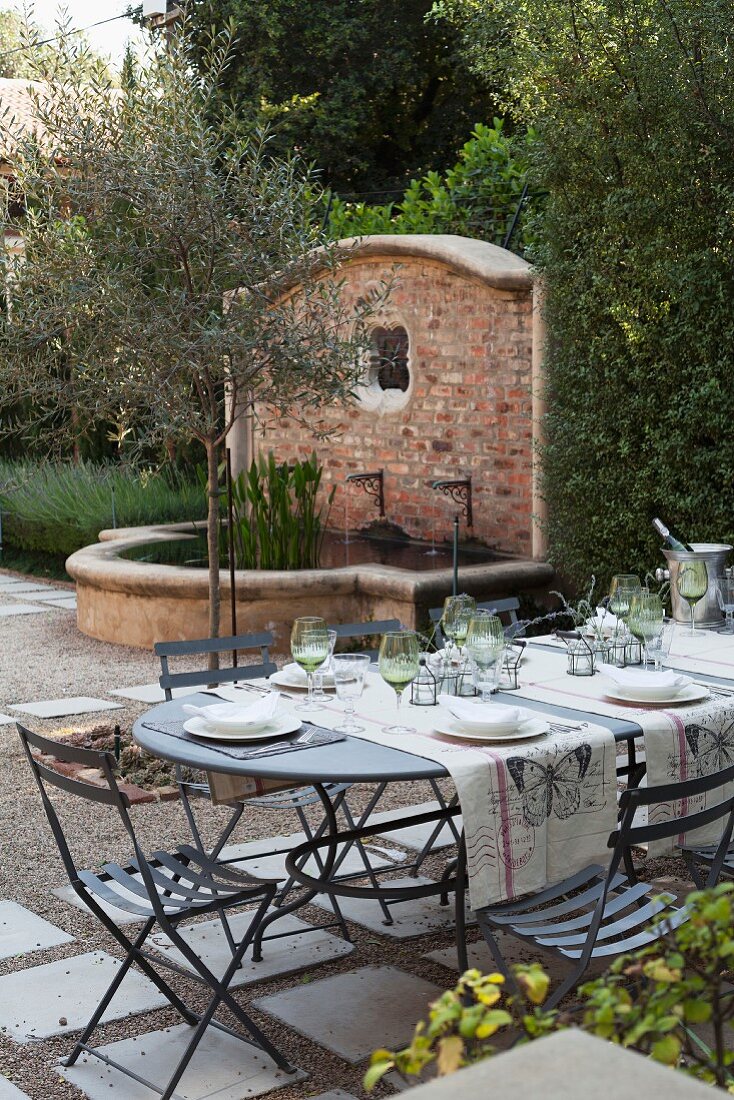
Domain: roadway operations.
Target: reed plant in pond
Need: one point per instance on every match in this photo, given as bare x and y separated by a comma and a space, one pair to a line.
279, 522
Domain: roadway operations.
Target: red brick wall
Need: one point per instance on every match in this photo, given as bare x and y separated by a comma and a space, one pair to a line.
468, 410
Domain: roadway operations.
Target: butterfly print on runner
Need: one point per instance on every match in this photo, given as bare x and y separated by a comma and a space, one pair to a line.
550, 788
713, 750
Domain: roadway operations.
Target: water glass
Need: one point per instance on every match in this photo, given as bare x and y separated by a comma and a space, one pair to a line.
659, 647
725, 596
485, 644
319, 695
457, 613
350, 670
399, 664
309, 649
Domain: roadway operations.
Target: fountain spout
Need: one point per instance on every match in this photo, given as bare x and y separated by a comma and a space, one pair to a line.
373, 484
459, 490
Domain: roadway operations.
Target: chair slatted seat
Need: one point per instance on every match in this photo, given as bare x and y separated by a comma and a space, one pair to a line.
196, 884
600, 913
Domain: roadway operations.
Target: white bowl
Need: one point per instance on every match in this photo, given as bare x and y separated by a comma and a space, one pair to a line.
646, 690
504, 720
230, 719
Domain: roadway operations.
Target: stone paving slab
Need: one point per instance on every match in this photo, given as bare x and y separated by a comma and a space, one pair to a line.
8, 1090
301, 951
6, 719
256, 857
22, 931
478, 953
410, 918
67, 604
332, 1094
353, 1014
33, 1002
416, 836
60, 708
25, 586
10, 610
222, 1068
40, 595
148, 693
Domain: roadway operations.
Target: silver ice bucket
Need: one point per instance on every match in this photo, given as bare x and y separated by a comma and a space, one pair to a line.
707, 611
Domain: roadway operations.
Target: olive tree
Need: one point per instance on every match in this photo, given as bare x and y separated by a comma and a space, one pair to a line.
158, 248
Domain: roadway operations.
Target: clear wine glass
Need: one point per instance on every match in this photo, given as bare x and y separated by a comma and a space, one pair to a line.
645, 619
319, 695
309, 649
350, 670
457, 611
399, 664
692, 583
725, 597
623, 587
485, 644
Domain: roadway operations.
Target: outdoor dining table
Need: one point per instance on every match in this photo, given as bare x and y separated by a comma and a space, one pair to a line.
356, 759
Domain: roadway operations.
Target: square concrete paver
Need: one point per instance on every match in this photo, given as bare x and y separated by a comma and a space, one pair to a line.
67, 604
306, 948
222, 1068
21, 931
257, 857
33, 1002
25, 587
479, 956
60, 708
6, 719
332, 1094
42, 594
8, 1091
354, 1013
148, 693
410, 918
9, 610
416, 836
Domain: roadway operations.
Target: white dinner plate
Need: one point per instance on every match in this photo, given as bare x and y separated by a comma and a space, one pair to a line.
533, 727
287, 723
691, 694
287, 679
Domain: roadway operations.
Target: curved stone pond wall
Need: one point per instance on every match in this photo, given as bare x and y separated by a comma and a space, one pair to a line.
139, 603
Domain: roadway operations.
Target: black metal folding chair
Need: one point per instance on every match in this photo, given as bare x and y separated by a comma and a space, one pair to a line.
161, 890
366, 630
598, 914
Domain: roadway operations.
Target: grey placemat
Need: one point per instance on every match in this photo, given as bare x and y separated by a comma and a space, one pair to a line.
310, 737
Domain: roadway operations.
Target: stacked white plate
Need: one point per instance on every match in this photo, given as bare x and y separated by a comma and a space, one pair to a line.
472, 720
257, 721
636, 685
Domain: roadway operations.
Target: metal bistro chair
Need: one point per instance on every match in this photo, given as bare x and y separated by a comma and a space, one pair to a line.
296, 799
597, 914
161, 890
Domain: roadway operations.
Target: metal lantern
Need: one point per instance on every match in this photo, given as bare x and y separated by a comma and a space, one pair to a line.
510, 670
424, 689
580, 653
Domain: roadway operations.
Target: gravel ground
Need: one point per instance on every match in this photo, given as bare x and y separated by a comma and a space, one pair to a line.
43, 657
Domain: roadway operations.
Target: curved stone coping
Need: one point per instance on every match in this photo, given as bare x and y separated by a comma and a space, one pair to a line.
102, 567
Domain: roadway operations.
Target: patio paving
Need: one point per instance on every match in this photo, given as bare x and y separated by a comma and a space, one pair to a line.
62, 708
416, 836
9, 610
59, 997
384, 1006
22, 931
8, 1090
301, 951
223, 1068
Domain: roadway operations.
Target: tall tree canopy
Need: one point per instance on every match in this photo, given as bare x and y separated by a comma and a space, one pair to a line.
372, 92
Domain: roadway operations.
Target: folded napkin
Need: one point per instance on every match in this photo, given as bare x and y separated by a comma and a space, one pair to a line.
489, 714
257, 710
604, 622
295, 672
631, 678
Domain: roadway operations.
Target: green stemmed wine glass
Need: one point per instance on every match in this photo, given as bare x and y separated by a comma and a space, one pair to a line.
645, 619
485, 644
692, 583
457, 612
623, 587
309, 649
399, 664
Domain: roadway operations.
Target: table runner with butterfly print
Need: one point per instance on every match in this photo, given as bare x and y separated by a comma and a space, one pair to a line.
681, 742
534, 811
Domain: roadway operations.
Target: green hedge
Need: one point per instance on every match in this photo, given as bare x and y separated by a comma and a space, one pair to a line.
56, 508
478, 197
